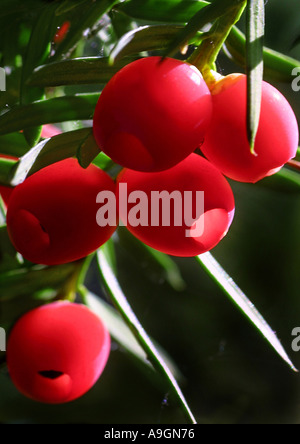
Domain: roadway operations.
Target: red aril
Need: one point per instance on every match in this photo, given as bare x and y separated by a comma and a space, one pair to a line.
153, 114
175, 233
226, 144
57, 352
51, 217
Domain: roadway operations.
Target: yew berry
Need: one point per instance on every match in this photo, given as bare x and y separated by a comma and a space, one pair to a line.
56, 353
51, 217
226, 144
173, 221
62, 32
153, 114
50, 131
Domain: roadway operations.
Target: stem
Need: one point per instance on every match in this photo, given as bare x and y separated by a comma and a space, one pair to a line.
83, 270
75, 284
120, 301
83, 293
205, 56
295, 164
81, 277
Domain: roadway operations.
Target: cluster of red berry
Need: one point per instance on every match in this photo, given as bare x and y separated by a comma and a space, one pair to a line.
156, 112
150, 119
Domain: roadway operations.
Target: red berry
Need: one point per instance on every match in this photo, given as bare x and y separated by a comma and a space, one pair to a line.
50, 131
191, 175
56, 353
226, 144
51, 217
62, 32
153, 114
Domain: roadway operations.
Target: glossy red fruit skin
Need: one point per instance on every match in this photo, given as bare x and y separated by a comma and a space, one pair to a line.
51, 217
50, 131
153, 114
60, 337
193, 174
62, 33
226, 144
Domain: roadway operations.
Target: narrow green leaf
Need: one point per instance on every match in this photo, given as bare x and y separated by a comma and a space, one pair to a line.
225, 282
13, 145
6, 169
2, 214
88, 150
83, 18
207, 53
146, 38
158, 266
38, 50
48, 152
67, 6
121, 333
172, 271
61, 109
285, 181
109, 251
255, 66
9, 258
32, 135
175, 11
205, 16
116, 326
80, 71
277, 66
113, 289
103, 161
24, 281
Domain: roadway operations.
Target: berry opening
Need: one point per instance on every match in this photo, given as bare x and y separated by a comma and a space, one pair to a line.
51, 374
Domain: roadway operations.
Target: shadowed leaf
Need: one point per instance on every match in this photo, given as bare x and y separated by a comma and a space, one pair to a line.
81, 71
146, 38
277, 66
226, 283
205, 16
177, 11
48, 152
255, 66
61, 109
119, 299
